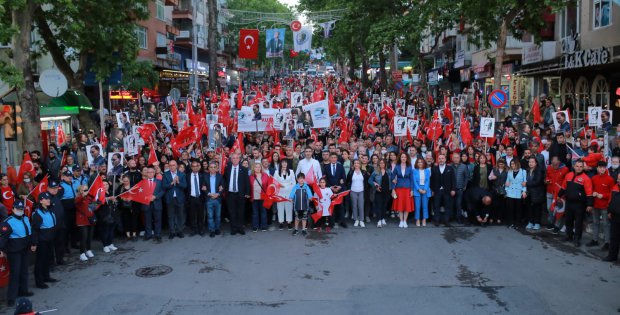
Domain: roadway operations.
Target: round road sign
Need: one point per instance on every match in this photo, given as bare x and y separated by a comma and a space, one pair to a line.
498, 98
295, 26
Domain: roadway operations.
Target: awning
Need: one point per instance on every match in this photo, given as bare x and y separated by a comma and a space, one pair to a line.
47, 110
71, 98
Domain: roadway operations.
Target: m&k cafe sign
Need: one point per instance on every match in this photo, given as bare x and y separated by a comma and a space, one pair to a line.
587, 58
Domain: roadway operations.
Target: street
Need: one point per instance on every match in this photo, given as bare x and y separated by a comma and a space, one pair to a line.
459, 270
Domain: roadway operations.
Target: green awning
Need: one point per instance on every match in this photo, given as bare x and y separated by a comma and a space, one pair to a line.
71, 98
49, 111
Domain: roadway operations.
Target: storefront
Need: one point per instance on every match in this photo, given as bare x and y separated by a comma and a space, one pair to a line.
182, 80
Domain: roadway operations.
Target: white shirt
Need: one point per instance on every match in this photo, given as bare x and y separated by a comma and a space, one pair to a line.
442, 168
174, 175
357, 182
422, 177
234, 170
303, 166
195, 179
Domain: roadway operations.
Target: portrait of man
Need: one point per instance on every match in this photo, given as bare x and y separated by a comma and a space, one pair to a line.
606, 121
115, 164
217, 135
93, 155
122, 119
560, 122
291, 132
151, 113
275, 43
256, 112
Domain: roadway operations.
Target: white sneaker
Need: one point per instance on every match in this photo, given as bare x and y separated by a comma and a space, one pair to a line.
89, 254
405, 224
357, 223
529, 226
379, 224
362, 224
106, 249
383, 222
400, 224
112, 247
83, 257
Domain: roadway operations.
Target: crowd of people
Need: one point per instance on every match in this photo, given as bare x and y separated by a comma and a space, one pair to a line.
356, 171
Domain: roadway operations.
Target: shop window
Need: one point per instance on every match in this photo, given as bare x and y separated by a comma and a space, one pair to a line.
602, 13
582, 99
600, 92
141, 35
568, 90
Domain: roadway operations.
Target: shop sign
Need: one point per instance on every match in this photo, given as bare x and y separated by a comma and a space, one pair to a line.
433, 77
587, 58
459, 61
531, 54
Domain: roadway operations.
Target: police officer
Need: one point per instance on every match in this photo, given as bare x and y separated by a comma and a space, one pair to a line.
15, 242
67, 193
59, 249
577, 188
43, 232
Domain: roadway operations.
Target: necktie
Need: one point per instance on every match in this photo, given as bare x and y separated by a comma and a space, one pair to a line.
234, 179
333, 169
195, 185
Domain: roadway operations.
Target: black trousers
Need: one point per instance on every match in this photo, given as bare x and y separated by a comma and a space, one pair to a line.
18, 276
196, 213
131, 218
535, 212
499, 207
71, 236
236, 210
42, 263
513, 211
575, 212
59, 246
442, 199
614, 238
86, 238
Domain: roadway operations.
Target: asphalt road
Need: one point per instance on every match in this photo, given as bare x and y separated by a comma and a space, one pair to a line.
429, 270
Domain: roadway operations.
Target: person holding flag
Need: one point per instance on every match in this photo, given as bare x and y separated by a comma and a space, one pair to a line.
85, 220
153, 210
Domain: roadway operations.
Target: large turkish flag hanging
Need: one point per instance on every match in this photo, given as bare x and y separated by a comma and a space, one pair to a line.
248, 43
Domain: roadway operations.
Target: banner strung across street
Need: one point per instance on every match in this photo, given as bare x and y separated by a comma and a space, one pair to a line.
275, 43
302, 39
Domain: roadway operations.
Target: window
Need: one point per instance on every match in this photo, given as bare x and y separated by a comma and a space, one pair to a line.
141, 34
569, 21
162, 41
602, 13
161, 8
600, 92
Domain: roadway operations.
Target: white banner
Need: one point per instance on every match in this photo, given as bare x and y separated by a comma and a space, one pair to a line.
316, 115
487, 127
400, 126
302, 39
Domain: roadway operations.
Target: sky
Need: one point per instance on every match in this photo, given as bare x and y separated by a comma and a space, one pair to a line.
289, 2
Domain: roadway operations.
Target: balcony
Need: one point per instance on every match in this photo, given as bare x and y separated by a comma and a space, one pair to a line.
172, 30
183, 11
173, 3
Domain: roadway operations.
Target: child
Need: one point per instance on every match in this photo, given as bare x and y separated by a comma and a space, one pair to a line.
300, 195
325, 201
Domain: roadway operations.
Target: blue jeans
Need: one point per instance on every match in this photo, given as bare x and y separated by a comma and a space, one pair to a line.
214, 211
107, 233
421, 202
458, 204
258, 209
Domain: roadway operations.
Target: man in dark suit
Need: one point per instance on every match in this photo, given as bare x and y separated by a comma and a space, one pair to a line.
213, 191
153, 211
175, 184
335, 176
196, 199
443, 185
237, 185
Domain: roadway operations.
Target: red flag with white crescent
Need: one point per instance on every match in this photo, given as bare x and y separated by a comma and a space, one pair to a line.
140, 193
96, 190
41, 187
26, 167
248, 43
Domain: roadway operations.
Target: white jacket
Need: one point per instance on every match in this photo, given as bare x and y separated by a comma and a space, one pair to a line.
286, 183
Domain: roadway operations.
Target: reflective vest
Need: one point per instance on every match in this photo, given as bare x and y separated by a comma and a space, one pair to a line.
49, 219
21, 228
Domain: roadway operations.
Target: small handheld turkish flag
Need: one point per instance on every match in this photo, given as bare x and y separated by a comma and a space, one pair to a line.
97, 191
141, 192
248, 43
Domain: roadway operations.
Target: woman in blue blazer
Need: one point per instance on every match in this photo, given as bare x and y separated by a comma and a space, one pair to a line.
515, 191
421, 190
402, 188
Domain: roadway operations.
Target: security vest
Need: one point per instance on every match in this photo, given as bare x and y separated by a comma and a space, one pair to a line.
21, 228
49, 219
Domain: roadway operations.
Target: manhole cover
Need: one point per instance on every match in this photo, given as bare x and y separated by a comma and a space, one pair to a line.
153, 271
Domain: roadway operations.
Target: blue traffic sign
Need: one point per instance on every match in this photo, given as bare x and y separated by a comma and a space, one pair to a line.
398, 85
498, 98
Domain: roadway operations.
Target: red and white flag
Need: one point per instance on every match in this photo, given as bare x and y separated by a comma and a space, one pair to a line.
97, 191
61, 136
26, 167
248, 44
41, 187
141, 192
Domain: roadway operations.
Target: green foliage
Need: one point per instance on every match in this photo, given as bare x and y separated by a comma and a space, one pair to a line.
138, 75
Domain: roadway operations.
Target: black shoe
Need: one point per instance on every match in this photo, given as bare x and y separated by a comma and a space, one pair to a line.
290, 226
201, 233
158, 239
146, 238
60, 262
605, 247
212, 234
242, 232
555, 231
171, 236
609, 258
192, 233
180, 235
50, 280
264, 230
25, 294
281, 226
218, 232
592, 243
42, 286
304, 232
448, 225
550, 227
233, 232
343, 225
10, 303
577, 243
134, 239
567, 239
295, 232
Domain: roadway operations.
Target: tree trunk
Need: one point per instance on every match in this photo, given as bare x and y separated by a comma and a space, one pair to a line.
352, 67
31, 118
212, 43
382, 72
394, 57
365, 66
499, 54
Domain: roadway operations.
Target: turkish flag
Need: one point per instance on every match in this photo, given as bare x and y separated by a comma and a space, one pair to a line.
26, 167
103, 140
175, 114
152, 155
313, 182
28, 207
336, 200
141, 192
466, 136
248, 43
97, 191
61, 137
41, 187
146, 130
239, 145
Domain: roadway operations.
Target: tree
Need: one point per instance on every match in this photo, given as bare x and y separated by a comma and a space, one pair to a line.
492, 20
212, 43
